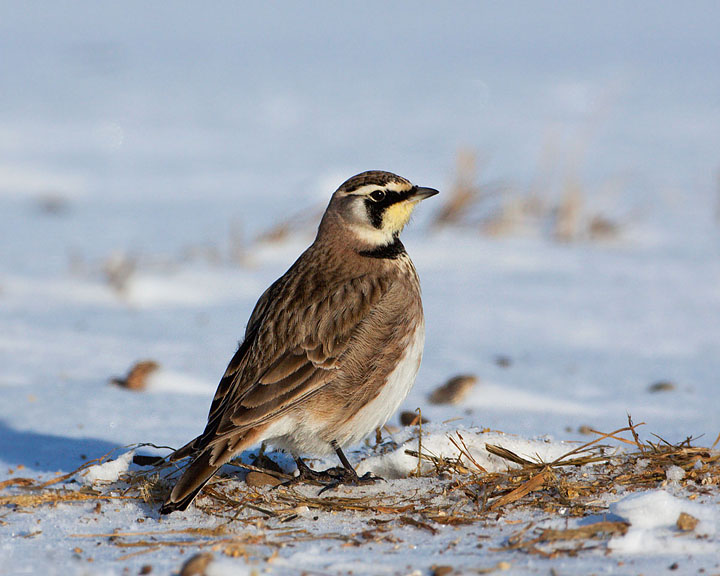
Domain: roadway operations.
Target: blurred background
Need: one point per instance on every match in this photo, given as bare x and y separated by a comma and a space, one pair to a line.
161, 163
222, 106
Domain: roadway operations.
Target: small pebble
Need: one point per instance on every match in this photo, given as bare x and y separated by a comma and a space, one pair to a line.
136, 378
686, 523
258, 479
196, 565
411, 419
661, 386
454, 390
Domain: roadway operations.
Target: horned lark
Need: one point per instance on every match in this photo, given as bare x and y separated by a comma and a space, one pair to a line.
332, 347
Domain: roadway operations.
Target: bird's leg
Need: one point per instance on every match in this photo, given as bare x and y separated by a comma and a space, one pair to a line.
348, 475
343, 459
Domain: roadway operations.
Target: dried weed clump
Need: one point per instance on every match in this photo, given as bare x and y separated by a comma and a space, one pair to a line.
454, 390
460, 492
557, 206
137, 376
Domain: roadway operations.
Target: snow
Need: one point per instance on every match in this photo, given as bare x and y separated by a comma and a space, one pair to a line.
674, 473
108, 471
229, 568
164, 381
399, 464
653, 516
158, 148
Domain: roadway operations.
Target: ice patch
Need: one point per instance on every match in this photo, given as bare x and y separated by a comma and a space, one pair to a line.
674, 474
513, 399
223, 567
187, 288
107, 471
148, 291
36, 182
653, 516
164, 381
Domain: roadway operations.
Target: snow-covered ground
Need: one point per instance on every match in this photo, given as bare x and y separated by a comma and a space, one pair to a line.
158, 141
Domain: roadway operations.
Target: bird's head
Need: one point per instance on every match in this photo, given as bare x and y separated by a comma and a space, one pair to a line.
375, 206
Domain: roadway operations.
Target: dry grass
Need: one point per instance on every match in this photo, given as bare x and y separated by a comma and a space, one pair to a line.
557, 208
555, 205
569, 211
299, 222
119, 268
464, 192
461, 492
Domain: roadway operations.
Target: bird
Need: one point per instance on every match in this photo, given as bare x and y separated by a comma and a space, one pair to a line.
331, 348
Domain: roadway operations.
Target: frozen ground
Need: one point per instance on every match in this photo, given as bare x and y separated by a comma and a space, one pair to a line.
168, 137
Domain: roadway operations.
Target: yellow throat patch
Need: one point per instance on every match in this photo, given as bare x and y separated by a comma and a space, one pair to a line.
396, 216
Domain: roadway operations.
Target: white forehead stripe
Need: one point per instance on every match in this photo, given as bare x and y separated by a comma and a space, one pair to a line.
393, 186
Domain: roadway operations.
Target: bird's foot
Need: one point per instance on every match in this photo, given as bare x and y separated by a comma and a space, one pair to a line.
307, 474
348, 477
330, 478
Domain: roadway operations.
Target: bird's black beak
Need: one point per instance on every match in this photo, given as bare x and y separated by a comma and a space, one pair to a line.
419, 194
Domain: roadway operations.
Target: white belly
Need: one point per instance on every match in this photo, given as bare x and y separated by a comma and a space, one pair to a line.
375, 413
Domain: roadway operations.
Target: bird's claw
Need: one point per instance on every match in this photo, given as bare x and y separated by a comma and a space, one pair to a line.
350, 478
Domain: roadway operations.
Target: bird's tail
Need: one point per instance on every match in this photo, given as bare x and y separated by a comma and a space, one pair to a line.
197, 474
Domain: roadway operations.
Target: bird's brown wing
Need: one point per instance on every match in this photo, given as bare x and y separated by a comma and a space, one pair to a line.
291, 351
240, 357
232, 373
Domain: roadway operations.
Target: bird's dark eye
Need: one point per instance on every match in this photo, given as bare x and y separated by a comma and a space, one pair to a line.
378, 195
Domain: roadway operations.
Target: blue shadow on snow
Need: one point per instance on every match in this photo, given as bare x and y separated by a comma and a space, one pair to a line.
46, 452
